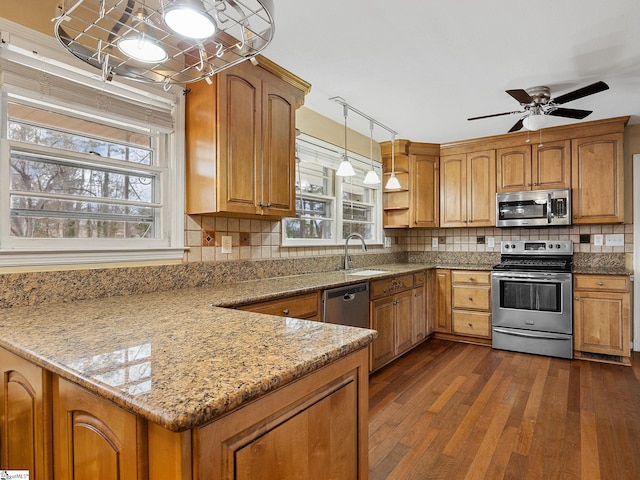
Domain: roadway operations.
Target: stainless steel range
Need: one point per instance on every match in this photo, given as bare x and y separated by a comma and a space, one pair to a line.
532, 308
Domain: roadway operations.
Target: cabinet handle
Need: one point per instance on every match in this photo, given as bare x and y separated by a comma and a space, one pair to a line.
471, 279
470, 324
601, 284
470, 298
260, 204
578, 299
285, 311
268, 204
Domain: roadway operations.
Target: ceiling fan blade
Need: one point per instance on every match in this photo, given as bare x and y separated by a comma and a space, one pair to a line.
581, 92
492, 115
518, 125
520, 95
570, 113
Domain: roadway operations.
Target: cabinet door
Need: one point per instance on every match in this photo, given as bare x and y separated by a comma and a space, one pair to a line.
278, 152
453, 191
481, 189
419, 314
382, 349
551, 165
514, 169
239, 141
430, 301
602, 323
425, 190
442, 310
25, 428
597, 179
403, 320
94, 438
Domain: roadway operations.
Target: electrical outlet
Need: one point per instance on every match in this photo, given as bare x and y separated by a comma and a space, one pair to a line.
491, 242
387, 242
226, 244
434, 242
597, 240
480, 240
614, 240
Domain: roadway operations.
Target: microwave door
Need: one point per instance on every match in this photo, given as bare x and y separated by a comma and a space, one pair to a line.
524, 209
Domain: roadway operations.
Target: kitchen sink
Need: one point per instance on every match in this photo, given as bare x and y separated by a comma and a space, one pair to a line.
366, 273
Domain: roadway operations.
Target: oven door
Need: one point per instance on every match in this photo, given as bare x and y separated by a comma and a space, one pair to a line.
539, 301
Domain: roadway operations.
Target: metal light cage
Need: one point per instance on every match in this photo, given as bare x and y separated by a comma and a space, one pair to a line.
91, 29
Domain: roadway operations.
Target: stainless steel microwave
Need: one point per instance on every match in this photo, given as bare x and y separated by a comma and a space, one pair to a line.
535, 208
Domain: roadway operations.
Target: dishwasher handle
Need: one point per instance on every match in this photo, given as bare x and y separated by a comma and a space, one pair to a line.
349, 296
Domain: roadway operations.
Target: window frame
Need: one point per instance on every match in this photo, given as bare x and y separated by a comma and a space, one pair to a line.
329, 155
23, 46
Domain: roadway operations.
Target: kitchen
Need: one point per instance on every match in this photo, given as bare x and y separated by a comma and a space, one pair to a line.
262, 256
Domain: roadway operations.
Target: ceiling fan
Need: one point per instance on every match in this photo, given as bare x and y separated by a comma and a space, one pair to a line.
537, 102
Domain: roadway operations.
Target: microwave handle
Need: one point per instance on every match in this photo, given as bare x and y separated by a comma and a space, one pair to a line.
549, 208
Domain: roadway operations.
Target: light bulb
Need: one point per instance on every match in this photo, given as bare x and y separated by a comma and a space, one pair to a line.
371, 178
393, 183
141, 47
189, 19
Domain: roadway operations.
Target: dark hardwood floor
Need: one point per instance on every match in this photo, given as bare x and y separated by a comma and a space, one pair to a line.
453, 411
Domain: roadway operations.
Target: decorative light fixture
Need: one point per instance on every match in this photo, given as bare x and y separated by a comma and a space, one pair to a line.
345, 169
189, 19
141, 43
113, 36
371, 178
535, 121
393, 183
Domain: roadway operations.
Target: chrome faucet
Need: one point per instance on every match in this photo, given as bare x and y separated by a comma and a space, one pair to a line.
347, 258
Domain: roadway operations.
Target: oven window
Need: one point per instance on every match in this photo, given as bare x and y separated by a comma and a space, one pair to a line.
522, 209
542, 297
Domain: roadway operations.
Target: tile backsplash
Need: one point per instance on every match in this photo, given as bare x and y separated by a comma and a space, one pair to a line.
260, 239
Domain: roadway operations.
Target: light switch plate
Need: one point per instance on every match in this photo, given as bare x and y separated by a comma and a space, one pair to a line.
434, 242
614, 240
597, 240
491, 242
226, 244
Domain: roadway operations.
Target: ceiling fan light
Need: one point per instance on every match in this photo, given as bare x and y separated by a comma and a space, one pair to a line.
393, 183
345, 169
371, 178
189, 19
535, 122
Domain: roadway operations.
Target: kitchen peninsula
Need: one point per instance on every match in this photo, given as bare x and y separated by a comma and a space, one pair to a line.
164, 385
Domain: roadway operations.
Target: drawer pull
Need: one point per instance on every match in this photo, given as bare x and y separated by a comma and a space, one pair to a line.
470, 299
470, 324
471, 279
601, 284
285, 311
577, 299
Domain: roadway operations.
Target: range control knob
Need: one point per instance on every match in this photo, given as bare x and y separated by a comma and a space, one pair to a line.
507, 246
557, 245
551, 245
513, 245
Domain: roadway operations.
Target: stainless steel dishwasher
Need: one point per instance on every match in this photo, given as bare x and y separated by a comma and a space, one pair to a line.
347, 305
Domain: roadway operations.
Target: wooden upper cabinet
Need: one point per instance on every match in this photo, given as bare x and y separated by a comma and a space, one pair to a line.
597, 179
514, 169
240, 142
415, 204
468, 189
534, 167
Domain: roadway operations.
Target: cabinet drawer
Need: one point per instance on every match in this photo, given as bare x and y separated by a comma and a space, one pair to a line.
305, 306
389, 286
419, 279
475, 298
471, 277
476, 324
604, 283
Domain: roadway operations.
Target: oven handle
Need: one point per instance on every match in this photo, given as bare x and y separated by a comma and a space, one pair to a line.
538, 276
526, 335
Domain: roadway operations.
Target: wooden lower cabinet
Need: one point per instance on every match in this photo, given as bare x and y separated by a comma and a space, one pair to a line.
25, 417
602, 318
306, 306
442, 303
400, 318
313, 428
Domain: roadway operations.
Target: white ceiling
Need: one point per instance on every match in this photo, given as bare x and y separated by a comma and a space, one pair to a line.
422, 67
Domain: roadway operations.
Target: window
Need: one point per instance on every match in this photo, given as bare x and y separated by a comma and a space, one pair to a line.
330, 208
86, 167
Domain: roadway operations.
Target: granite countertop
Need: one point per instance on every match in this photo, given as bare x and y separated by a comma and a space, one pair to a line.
170, 357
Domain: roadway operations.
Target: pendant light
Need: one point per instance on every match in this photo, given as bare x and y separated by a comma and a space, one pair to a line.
371, 178
393, 183
345, 169
189, 19
141, 44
